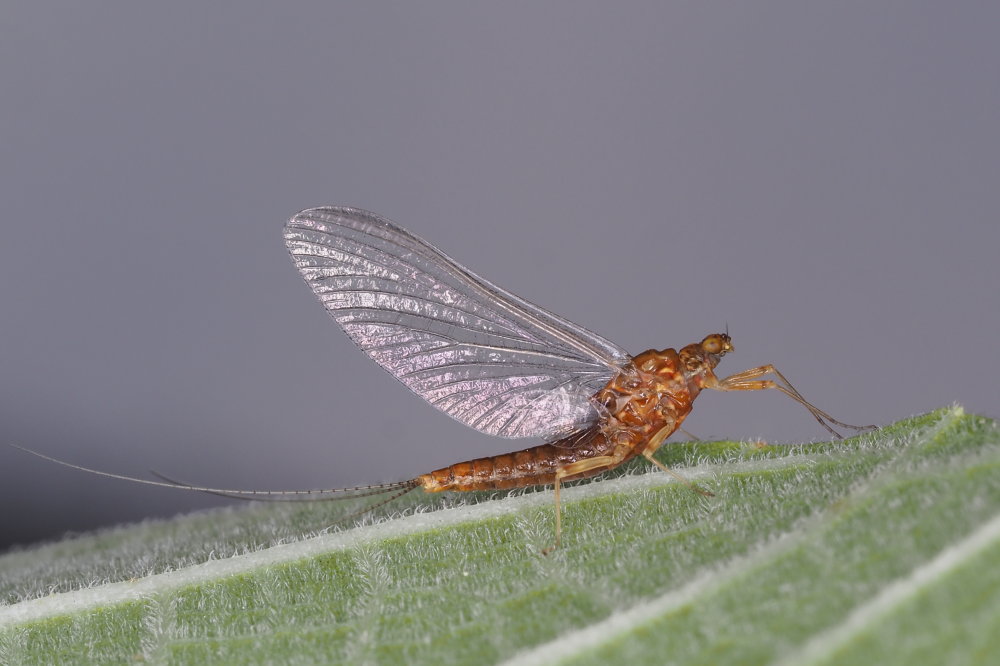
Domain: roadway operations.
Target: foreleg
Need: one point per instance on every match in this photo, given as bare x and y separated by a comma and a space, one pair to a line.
747, 381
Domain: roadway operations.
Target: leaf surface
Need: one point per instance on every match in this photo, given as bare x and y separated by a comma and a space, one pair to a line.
882, 548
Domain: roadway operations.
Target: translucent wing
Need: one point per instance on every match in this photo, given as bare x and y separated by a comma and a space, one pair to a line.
478, 353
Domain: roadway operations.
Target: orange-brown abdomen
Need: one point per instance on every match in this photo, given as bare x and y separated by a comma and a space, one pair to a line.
649, 394
529, 467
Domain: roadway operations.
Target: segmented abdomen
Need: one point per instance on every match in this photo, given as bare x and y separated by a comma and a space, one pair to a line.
529, 467
649, 395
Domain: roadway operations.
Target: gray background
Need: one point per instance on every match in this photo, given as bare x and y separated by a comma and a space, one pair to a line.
822, 176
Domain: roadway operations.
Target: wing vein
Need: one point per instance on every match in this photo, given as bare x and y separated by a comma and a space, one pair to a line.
484, 356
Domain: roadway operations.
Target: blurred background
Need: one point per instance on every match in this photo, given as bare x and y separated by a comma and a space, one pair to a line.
822, 178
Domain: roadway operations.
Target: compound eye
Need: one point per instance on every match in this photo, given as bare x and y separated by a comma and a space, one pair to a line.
712, 344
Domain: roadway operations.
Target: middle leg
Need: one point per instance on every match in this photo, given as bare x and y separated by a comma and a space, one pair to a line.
650, 449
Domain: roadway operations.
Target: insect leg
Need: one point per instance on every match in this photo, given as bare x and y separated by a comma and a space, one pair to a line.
654, 443
581, 467
546, 551
691, 436
747, 381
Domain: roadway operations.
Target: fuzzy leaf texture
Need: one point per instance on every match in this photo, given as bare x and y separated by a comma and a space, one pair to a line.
883, 548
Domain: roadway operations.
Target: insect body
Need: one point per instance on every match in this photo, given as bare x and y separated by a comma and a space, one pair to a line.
650, 397
641, 406
501, 364
496, 362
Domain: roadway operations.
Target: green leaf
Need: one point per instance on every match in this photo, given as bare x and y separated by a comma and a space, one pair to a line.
884, 548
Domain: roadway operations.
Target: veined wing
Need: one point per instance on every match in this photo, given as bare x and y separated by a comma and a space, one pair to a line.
480, 354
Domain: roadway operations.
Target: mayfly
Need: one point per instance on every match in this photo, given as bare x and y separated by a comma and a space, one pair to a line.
497, 363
